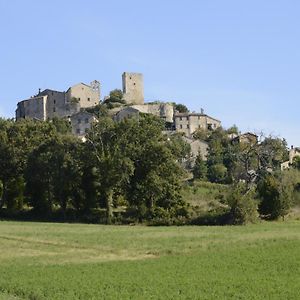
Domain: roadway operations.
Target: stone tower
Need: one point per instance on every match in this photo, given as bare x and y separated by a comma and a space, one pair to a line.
133, 88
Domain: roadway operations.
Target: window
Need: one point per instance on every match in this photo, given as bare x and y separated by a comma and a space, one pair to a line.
209, 126
187, 126
54, 101
180, 118
86, 120
180, 126
89, 99
215, 125
79, 121
130, 77
134, 83
54, 109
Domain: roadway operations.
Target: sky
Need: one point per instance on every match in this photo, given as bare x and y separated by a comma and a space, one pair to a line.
238, 60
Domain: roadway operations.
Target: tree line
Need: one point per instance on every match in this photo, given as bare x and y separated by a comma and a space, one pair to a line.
252, 169
131, 169
131, 163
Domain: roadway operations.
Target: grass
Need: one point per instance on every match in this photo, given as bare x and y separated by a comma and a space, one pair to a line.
75, 261
204, 195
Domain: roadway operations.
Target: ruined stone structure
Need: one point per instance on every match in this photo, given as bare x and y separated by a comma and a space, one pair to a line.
133, 88
164, 111
81, 123
49, 103
188, 123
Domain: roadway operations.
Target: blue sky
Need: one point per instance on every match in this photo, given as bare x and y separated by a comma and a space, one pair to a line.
239, 60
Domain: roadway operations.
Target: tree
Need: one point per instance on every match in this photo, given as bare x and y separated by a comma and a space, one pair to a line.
15, 194
272, 152
181, 108
113, 166
17, 140
99, 110
277, 193
233, 130
243, 207
53, 174
115, 96
200, 168
62, 126
155, 182
217, 173
179, 148
201, 134
1, 190
296, 162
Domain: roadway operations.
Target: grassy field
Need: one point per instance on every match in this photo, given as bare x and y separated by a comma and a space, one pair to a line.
71, 261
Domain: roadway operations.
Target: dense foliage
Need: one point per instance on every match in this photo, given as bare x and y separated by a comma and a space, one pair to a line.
130, 171
130, 163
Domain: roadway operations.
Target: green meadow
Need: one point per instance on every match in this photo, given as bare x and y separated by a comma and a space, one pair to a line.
76, 261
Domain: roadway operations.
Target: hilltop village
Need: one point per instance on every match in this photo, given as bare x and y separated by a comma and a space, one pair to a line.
75, 102
140, 157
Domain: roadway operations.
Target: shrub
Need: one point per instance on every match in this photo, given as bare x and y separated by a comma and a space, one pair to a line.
243, 207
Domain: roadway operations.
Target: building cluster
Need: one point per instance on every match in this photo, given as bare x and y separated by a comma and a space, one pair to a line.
72, 103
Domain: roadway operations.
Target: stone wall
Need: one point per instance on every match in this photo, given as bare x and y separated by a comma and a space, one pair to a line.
34, 107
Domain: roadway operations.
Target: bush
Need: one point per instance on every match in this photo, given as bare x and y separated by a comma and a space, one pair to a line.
278, 192
243, 207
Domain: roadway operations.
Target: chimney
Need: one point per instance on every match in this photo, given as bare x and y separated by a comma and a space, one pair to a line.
202, 111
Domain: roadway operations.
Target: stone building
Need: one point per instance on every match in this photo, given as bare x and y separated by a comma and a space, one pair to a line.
188, 123
50, 103
164, 111
133, 88
246, 138
126, 113
294, 152
81, 123
197, 146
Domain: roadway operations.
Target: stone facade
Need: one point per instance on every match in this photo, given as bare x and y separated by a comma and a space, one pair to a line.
294, 152
49, 103
35, 107
164, 111
246, 138
197, 146
188, 123
81, 123
133, 88
126, 113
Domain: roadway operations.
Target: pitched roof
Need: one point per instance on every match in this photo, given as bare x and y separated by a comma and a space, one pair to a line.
194, 114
